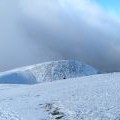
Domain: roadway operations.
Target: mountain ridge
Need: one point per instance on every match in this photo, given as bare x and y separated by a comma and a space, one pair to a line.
47, 72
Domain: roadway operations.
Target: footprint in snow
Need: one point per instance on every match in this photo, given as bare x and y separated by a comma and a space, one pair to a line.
53, 110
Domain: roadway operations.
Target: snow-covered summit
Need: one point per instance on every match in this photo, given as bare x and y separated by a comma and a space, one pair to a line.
63, 69
49, 71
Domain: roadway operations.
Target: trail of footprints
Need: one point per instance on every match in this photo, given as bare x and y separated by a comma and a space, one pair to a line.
54, 111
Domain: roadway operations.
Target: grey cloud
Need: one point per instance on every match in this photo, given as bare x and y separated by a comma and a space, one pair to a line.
47, 30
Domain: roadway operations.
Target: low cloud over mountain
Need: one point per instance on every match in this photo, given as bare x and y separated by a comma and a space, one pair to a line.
34, 31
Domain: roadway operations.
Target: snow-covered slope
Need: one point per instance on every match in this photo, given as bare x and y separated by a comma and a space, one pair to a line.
63, 69
50, 71
95, 97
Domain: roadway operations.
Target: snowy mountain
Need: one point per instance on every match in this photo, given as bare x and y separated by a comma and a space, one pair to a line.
49, 71
93, 97
74, 98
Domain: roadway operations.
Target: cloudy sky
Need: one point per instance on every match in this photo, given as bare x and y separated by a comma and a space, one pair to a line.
34, 31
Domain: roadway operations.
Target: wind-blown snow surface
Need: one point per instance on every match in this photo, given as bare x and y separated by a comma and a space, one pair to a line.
94, 97
45, 72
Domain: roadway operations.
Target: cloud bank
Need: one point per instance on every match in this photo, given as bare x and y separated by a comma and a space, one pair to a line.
36, 31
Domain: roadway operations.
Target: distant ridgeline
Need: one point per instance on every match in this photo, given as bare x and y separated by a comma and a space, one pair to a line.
47, 72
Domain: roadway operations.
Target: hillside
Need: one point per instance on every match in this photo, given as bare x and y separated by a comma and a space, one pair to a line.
46, 72
93, 97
